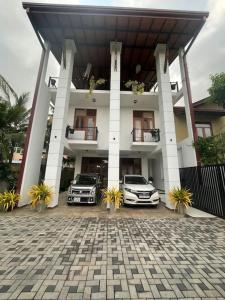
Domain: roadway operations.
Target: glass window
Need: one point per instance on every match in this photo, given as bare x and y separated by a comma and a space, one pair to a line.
135, 180
204, 130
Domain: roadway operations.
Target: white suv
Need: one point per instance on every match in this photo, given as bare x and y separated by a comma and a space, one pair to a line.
138, 191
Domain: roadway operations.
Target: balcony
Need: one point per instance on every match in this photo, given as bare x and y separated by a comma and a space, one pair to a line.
145, 137
82, 136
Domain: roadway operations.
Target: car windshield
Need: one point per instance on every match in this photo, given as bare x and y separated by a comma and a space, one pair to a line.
135, 180
85, 180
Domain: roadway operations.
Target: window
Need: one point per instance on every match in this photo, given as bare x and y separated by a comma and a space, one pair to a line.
143, 122
85, 118
204, 130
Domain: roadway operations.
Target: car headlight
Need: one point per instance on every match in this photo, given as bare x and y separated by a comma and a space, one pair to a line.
130, 190
93, 191
154, 191
69, 190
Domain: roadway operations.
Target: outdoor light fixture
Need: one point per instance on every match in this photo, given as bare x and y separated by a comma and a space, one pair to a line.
138, 69
173, 86
53, 82
93, 99
135, 101
87, 71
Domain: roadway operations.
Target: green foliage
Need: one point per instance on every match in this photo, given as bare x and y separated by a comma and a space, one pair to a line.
7, 174
211, 149
13, 120
8, 201
217, 90
41, 195
93, 84
138, 88
180, 196
112, 196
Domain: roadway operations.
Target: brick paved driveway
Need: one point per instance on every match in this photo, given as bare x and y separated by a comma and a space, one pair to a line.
90, 258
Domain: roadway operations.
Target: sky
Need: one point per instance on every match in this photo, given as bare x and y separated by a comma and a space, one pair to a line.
20, 50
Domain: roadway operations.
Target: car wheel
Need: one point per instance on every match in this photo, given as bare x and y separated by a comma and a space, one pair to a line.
69, 204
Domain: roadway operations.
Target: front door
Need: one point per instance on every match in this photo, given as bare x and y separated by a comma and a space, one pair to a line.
130, 166
95, 165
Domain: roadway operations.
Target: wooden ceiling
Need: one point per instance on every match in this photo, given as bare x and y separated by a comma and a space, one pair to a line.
92, 28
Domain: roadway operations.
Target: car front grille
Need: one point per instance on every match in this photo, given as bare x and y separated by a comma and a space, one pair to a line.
81, 192
141, 194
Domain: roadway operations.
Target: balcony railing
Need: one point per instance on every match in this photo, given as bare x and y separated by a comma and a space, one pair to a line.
82, 134
145, 135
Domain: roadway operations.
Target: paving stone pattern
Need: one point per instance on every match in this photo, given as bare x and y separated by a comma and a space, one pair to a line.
100, 258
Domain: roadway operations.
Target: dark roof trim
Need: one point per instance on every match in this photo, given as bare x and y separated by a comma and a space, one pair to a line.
212, 111
116, 11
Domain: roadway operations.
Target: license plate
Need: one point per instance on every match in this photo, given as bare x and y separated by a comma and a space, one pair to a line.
76, 199
144, 196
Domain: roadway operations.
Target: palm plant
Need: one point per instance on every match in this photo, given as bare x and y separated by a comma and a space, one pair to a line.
13, 119
180, 198
41, 196
112, 196
8, 201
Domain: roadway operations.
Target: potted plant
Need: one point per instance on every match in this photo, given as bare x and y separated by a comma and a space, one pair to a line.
41, 196
137, 88
8, 200
112, 197
180, 198
93, 84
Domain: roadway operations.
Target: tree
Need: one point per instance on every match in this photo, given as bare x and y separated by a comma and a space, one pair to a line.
211, 149
217, 90
13, 120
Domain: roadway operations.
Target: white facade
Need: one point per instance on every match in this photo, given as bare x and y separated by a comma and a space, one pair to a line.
113, 137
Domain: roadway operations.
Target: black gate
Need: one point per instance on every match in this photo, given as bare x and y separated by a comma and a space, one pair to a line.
208, 187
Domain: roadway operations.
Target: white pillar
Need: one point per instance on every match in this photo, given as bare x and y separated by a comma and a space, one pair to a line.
144, 167
36, 142
78, 162
167, 128
57, 140
188, 143
114, 117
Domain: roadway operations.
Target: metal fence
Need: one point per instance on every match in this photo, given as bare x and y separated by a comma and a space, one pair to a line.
208, 187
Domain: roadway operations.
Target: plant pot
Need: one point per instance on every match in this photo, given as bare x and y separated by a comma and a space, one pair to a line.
181, 209
41, 207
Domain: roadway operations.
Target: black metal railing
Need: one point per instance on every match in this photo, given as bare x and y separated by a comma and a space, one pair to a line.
207, 184
145, 135
82, 134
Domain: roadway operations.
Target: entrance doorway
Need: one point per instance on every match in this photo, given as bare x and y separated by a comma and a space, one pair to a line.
130, 166
97, 165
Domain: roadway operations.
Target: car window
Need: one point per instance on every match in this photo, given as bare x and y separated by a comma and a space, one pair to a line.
135, 180
85, 180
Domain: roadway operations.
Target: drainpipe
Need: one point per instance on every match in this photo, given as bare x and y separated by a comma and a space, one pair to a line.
28, 132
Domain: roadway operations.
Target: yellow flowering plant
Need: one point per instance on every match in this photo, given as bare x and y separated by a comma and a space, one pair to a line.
41, 195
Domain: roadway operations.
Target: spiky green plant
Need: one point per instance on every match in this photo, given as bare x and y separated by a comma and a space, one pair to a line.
112, 196
8, 200
41, 195
180, 196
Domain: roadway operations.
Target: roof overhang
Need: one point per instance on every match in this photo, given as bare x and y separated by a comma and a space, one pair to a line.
180, 110
93, 27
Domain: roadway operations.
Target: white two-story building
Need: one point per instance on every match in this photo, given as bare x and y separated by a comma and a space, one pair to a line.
111, 130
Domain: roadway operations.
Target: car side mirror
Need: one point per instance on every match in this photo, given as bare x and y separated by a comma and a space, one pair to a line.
150, 179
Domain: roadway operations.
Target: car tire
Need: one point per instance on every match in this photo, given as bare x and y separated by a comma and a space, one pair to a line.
69, 204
